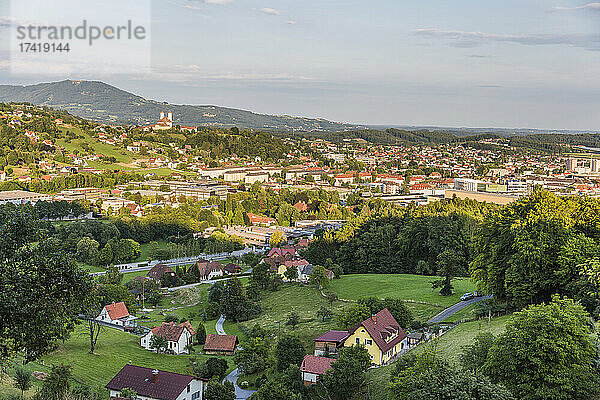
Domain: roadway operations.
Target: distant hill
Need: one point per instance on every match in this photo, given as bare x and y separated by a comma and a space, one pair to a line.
107, 104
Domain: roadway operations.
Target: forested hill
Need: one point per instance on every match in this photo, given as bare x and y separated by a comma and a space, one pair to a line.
107, 104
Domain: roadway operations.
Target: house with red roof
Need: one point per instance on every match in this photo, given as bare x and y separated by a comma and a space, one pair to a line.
154, 384
117, 314
381, 335
178, 336
314, 367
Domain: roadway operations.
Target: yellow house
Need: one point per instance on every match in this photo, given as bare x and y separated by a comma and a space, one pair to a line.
381, 335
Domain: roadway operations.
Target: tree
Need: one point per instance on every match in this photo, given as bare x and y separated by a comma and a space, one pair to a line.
291, 274
546, 352
426, 377
293, 319
106, 255
219, 391
201, 334
253, 355
449, 266
353, 315
277, 239
347, 377
272, 390
473, 356
57, 384
318, 277
87, 250
22, 379
43, 290
233, 299
532, 248
291, 378
216, 367
324, 313
289, 351
159, 343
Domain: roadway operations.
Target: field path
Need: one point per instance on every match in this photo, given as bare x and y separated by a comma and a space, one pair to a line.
240, 394
448, 312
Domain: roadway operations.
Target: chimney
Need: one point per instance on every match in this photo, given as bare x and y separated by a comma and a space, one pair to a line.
374, 318
170, 115
162, 114
154, 376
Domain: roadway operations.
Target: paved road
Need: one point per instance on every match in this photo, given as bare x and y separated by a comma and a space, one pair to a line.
219, 326
240, 394
455, 308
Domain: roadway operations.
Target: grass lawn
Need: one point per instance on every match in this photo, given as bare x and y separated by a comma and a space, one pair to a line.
145, 250
128, 276
401, 286
114, 350
120, 154
303, 300
91, 268
451, 343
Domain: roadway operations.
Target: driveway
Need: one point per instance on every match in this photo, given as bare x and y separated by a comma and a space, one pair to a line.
448, 312
240, 394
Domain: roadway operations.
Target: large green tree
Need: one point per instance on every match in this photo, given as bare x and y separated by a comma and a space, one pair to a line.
547, 352
533, 248
42, 291
347, 377
289, 351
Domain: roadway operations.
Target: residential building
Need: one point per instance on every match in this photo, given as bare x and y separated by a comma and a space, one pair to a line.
178, 336
22, 197
381, 335
159, 270
154, 384
209, 269
117, 314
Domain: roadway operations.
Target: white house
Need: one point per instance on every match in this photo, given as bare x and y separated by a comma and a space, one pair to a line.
117, 314
313, 367
152, 384
178, 336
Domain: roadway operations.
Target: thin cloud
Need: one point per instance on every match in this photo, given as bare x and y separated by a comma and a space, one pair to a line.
194, 8
218, 1
474, 39
269, 11
589, 6
290, 22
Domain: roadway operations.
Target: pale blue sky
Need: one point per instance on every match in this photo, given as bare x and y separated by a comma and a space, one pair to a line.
502, 63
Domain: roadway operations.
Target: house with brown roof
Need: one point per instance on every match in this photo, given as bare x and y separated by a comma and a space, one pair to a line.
159, 270
117, 314
178, 336
223, 345
329, 343
232, 268
313, 368
209, 269
381, 335
154, 384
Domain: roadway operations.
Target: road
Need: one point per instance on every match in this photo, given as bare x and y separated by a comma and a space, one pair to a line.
441, 317
240, 394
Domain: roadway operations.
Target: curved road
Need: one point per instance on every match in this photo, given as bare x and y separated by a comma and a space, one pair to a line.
448, 312
240, 394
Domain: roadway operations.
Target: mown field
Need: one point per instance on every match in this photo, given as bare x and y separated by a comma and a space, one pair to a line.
413, 288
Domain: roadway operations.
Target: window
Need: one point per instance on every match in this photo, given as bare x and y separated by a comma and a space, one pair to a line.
196, 395
368, 342
357, 340
188, 388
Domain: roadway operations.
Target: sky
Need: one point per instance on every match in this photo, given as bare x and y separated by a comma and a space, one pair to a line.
459, 63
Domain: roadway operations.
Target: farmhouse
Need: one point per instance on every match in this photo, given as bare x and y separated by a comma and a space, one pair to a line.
223, 345
156, 385
117, 314
313, 367
178, 336
381, 335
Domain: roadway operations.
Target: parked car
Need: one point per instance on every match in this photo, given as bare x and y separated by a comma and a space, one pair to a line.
467, 296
